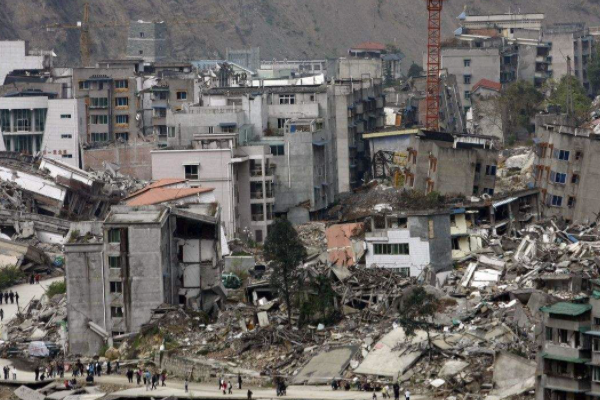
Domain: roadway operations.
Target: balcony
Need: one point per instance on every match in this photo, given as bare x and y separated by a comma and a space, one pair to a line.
298, 110
257, 195
258, 217
567, 384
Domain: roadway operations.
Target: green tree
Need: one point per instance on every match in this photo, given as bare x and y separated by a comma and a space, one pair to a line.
417, 312
415, 70
569, 86
594, 71
285, 250
512, 111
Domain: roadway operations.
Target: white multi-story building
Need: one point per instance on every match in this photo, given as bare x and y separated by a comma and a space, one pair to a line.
14, 55
40, 125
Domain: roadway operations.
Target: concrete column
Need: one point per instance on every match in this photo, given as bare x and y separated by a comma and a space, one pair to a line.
32, 121
11, 114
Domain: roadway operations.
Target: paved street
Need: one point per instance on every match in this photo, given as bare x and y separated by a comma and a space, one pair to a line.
208, 391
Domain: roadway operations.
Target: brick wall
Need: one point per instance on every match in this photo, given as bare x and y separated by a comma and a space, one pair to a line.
134, 160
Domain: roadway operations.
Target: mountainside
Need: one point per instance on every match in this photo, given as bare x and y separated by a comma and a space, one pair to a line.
282, 28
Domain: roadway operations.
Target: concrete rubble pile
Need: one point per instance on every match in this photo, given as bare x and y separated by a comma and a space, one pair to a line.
515, 170
40, 326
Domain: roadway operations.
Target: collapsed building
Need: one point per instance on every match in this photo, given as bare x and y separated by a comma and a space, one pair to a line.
441, 162
136, 260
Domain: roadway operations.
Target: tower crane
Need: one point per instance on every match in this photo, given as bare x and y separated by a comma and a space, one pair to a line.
434, 26
85, 26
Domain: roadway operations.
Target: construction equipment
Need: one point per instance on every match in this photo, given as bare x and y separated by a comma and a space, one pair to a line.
434, 26
84, 26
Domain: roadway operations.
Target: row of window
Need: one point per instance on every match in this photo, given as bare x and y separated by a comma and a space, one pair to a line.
393, 249
102, 102
103, 119
119, 84
557, 201
490, 170
100, 137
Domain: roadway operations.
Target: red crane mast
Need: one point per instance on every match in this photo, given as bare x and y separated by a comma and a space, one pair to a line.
434, 26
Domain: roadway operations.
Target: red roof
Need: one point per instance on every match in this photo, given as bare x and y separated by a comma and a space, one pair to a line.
487, 84
158, 184
373, 46
162, 195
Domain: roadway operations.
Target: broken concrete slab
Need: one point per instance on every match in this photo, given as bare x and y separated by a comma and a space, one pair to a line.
24, 393
389, 359
452, 367
326, 366
513, 375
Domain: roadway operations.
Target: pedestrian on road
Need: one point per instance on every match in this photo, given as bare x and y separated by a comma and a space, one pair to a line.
108, 368
17, 297
37, 278
129, 375
12, 297
6, 297
99, 368
407, 394
138, 377
374, 396
36, 371
224, 387
1, 297
154, 381
185, 385
384, 392
230, 387
239, 381
249, 394
5, 370
15, 373
31, 279
118, 367
1, 314
163, 378
220, 383
396, 391
147, 379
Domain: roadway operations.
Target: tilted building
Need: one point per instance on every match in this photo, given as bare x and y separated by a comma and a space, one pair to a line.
136, 260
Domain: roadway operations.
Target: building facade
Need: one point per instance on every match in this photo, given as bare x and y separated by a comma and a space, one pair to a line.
565, 169
139, 258
147, 41
408, 243
39, 125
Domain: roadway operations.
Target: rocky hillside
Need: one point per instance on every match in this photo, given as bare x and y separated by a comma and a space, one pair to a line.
282, 28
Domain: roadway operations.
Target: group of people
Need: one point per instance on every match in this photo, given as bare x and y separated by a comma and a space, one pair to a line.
151, 380
386, 391
227, 387
6, 369
52, 370
10, 295
34, 279
280, 387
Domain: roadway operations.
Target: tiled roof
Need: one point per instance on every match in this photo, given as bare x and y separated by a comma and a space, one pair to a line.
566, 308
159, 183
486, 83
162, 195
369, 46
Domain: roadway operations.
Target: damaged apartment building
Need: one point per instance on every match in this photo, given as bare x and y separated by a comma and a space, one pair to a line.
435, 161
565, 169
139, 258
283, 146
569, 359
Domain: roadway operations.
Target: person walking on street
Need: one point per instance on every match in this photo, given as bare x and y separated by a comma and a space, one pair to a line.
249, 394
163, 378
6, 371
14, 369
108, 367
239, 381
147, 379
129, 375
12, 297
138, 377
37, 279
154, 379
36, 371
220, 383
1, 297
17, 298
407, 394
6, 297
185, 385
118, 367
31, 279
396, 388
224, 387
230, 387
1, 314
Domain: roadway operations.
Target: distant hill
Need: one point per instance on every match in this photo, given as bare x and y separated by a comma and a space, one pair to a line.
282, 28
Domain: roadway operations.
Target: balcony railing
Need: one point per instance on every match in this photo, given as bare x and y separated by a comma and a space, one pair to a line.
258, 217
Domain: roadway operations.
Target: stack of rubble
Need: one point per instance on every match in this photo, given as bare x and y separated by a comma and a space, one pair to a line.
42, 320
